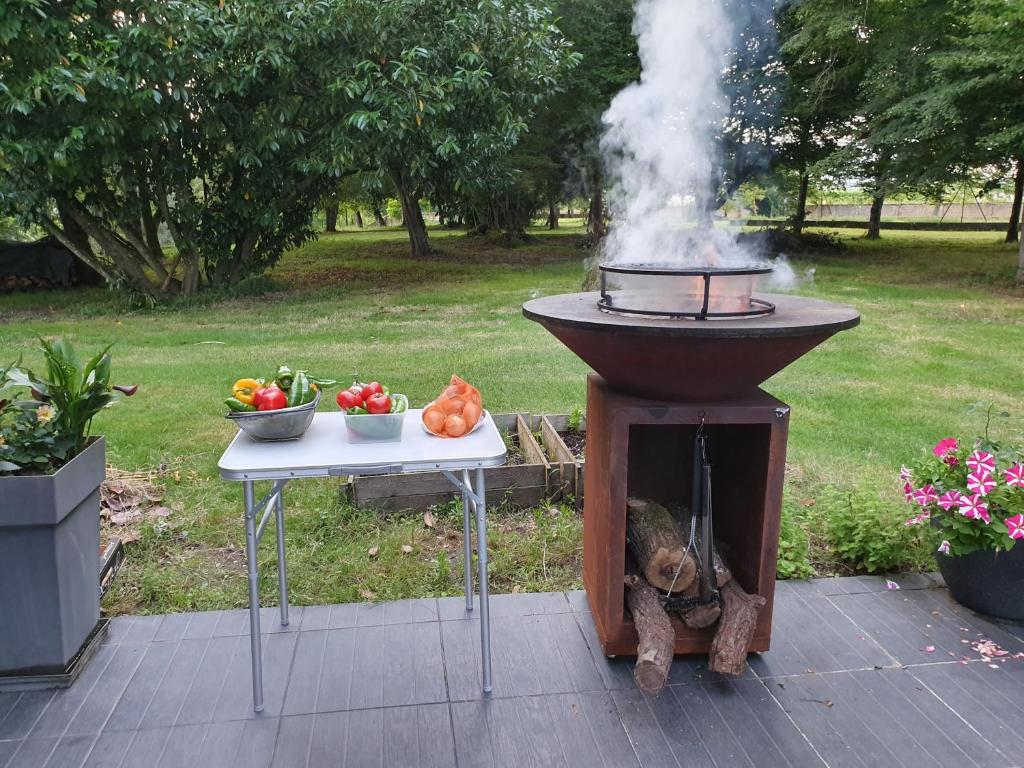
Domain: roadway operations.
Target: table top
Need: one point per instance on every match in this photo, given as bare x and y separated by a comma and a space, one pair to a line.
328, 450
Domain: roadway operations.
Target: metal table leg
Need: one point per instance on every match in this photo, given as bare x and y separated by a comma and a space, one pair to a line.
282, 570
251, 552
467, 544
480, 502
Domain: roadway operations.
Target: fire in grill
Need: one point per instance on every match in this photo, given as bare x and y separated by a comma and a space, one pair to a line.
671, 291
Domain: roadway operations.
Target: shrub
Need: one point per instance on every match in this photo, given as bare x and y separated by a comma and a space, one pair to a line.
868, 533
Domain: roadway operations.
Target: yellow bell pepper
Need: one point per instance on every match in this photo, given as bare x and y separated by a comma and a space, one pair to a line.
245, 389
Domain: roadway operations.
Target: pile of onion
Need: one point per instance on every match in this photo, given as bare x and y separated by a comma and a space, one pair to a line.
455, 412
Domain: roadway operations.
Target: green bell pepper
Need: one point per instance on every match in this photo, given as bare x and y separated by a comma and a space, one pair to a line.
236, 405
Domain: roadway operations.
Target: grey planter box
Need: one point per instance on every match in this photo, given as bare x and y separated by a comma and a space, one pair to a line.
49, 566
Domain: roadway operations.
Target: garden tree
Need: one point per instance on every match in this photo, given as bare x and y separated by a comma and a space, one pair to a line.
441, 103
950, 78
819, 96
205, 118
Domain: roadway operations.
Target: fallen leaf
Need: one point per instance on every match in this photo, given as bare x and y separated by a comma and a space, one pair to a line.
428, 519
808, 502
129, 537
367, 594
929, 649
372, 551
516, 589
159, 512
890, 584
994, 666
126, 517
406, 549
115, 489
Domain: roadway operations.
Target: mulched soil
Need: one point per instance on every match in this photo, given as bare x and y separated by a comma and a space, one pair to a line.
575, 442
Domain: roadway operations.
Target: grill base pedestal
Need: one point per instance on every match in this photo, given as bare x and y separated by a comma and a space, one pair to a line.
640, 447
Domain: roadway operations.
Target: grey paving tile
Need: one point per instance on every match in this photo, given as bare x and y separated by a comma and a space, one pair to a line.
169, 694
410, 611
66, 701
18, 721
490, 733
117, 628
370, 614
100, 702
328, 738
270, 620
768, 713
33, 753
505, 605
235, 701
365, 743
142, 629
306, 673
184, 743
343, 616
616, 674
996, 718
201, 625
645, 729
232, 623
293, 743
220, 745
256, 747
70, 751
147, 748
173, 626
590, 731
577, 600
418, 736
336, 677
201, 699
315, 617
413, 671
109, 749
131, 706
716, 736
7, 702
7, 750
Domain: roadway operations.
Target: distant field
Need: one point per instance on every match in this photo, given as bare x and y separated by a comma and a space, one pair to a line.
942, 328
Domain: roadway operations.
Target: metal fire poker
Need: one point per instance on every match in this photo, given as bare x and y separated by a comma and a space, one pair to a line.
700, 505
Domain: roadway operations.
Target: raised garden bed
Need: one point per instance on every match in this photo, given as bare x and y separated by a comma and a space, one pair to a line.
564, 444
522, 481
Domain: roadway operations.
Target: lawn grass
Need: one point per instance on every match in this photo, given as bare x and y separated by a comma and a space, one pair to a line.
942, 328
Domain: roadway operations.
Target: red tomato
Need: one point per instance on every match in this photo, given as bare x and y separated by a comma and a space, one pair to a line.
348, 399
378, 403
373, 388
270, 399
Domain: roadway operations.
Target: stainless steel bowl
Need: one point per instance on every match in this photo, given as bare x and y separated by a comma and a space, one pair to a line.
282, 424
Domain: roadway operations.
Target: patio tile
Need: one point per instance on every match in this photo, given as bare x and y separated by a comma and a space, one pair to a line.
7, 750
505, 605
65, 703
109, 749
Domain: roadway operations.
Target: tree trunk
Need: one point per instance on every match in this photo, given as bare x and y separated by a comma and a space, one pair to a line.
553, 214
331, 217
77, 236
359, 219
801, 204
1020, 257
595, 216
1018, 192
875, 220
654, 540
728, 653
412, 216
657, 637
378, 216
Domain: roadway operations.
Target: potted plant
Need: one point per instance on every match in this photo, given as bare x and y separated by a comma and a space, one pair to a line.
51, 470
972, 498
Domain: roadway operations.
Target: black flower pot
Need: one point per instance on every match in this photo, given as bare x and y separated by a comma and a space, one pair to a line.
986, 581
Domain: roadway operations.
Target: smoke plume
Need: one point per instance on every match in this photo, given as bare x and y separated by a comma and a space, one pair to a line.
659, 142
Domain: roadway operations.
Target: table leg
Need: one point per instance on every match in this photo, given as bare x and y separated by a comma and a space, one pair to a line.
481, 548
467, 545
282, 571
251, 552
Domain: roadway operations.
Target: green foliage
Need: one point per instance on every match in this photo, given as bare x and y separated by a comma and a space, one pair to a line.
52, 427
868, 532
794, 549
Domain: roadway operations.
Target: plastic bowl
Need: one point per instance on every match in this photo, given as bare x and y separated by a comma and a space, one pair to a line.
375, 426
282, 424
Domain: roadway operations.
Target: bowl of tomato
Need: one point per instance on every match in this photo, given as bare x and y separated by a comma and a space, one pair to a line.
278, 423
372, 412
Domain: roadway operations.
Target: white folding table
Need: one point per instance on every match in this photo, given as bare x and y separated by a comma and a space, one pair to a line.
327, 450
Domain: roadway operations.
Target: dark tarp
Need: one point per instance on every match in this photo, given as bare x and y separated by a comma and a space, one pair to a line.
44, 261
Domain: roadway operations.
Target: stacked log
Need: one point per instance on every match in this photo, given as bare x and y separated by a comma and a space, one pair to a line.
657, 543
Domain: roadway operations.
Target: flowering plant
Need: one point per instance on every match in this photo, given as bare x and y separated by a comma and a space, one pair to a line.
972, 496
45, 420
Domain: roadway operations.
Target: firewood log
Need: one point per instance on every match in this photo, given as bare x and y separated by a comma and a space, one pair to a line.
700, 616
655, 540
735, 629
657, 637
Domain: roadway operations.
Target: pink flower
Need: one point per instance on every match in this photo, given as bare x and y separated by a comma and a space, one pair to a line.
950, 499
905, 474
975, 508
981, 483
908, 491
1015, 526
918, 519
890, 584
944, 547
1015, 476
925, 495
982, 461
946, 450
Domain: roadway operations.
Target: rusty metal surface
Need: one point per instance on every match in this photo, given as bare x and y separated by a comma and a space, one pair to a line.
689, 360
642, 447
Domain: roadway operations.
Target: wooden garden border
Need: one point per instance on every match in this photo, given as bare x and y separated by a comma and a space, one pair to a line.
522, 485
567, 471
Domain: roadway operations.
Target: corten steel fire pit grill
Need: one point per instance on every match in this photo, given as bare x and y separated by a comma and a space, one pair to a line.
660, 377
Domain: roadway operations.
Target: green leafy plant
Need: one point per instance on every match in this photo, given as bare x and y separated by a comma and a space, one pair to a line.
50, 426
867, 532
794, 551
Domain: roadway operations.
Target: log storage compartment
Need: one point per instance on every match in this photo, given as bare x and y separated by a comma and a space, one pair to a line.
643, 448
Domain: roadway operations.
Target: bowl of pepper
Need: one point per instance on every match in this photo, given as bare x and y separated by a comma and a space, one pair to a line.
280, 410
373, 413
